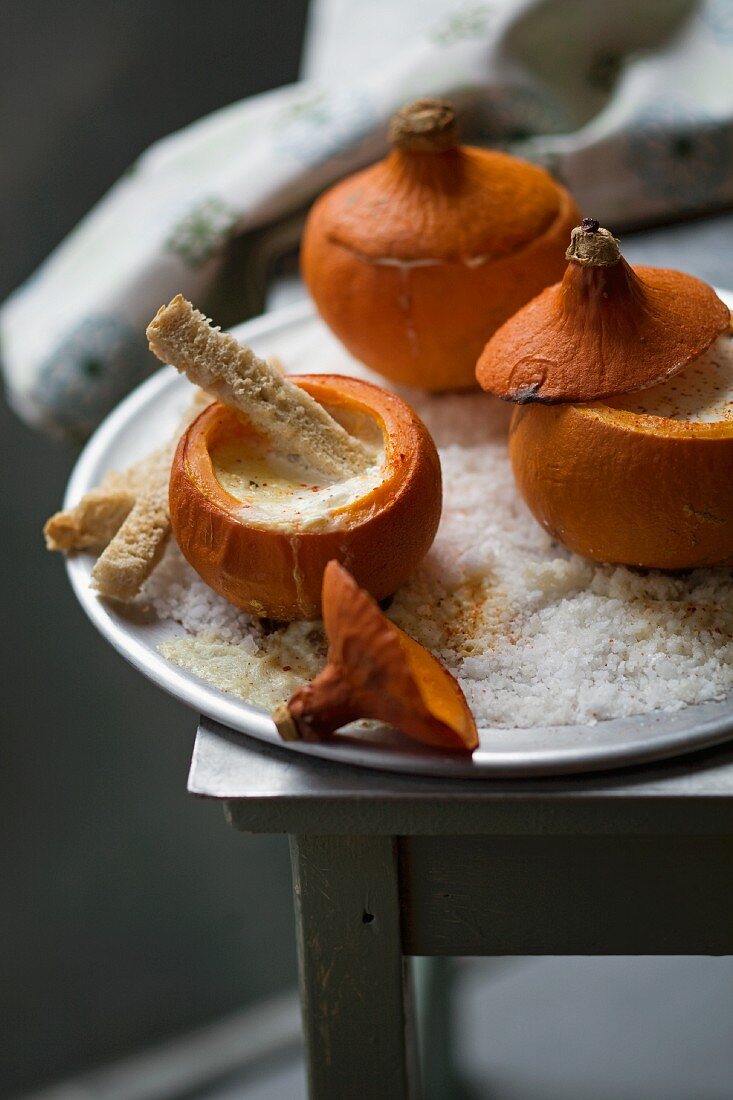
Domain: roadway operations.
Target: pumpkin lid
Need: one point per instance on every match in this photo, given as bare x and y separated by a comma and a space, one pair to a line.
433, 199
606, 329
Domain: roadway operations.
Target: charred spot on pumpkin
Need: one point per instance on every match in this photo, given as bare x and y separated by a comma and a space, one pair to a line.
526, 395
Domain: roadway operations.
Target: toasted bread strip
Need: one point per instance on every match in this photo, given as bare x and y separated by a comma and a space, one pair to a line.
100, 513
93, 522
137, 547
297, 426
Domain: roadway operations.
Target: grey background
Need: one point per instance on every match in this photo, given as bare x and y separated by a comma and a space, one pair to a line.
127, 909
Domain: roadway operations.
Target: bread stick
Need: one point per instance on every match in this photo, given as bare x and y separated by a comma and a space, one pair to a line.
297, 426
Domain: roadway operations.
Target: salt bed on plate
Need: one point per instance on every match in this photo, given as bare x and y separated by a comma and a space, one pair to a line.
536, 636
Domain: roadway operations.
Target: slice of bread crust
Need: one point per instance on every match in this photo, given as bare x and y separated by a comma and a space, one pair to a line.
94, 521
125, 518
296, 425
138, 545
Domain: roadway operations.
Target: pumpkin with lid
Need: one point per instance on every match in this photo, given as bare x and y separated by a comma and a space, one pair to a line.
622, 444
417, 260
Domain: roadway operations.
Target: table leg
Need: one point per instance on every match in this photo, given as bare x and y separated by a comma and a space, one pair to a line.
356, 1013
434, 995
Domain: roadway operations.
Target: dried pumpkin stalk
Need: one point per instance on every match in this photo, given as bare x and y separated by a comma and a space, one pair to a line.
297, 426
377, 671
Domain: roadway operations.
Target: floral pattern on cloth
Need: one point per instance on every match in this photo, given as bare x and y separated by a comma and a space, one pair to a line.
203, 232
99, 361
629, 104
318, 129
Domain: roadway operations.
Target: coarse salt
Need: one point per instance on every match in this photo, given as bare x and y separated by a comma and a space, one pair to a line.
535, 635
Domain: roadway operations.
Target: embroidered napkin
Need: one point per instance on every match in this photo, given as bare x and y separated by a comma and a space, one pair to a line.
629, 104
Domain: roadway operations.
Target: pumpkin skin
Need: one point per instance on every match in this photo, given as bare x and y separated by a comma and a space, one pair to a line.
416, 261
278, 573
627, 488
614, 483
375, 670
601, 332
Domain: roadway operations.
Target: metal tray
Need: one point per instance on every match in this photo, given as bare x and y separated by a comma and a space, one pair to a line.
151, 413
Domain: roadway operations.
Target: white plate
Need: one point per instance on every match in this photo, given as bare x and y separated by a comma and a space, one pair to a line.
151, 413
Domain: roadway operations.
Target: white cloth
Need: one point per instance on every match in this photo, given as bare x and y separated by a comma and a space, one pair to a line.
628, 102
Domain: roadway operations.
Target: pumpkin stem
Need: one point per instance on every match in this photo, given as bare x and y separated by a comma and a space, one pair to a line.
425, 126
592, 246
318, 709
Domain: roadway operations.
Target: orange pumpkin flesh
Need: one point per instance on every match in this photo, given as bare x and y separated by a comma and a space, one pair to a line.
277, 572
416, 261
442, 698
376, 671
606, 329
622, 487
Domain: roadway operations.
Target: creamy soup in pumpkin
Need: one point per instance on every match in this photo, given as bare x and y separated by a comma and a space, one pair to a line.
701, 393
275, 492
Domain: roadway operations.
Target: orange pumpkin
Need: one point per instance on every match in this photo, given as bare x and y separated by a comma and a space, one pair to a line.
616, 481
276, 570
416, 261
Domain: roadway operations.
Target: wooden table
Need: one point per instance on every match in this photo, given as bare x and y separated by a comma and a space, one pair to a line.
386, 867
